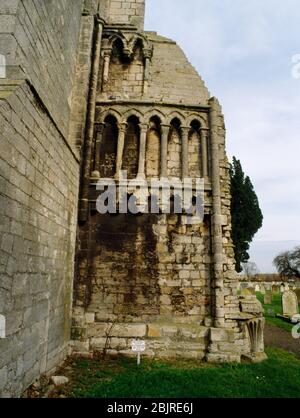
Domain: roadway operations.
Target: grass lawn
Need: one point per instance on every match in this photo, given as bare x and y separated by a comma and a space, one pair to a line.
277, 308
279, 376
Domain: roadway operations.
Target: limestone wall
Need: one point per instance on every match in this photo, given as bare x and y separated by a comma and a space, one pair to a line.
40, 40
130, 12
39, 180
38, 200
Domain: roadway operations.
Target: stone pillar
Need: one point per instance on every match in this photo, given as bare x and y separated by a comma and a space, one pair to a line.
165, 129
106, 64
99, 137
147, 55
218, 282
204, 142
143, 143
185, 151
89, 134
121, 142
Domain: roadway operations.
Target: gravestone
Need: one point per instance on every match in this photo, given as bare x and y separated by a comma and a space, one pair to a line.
282, 289
268, 298
289, 304
275, 289
297, 291
262, 289
257, 288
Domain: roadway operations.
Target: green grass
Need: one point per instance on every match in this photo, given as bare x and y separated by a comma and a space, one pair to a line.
279, 376
277, 308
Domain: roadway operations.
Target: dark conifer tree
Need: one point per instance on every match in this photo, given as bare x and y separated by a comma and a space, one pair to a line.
246, 215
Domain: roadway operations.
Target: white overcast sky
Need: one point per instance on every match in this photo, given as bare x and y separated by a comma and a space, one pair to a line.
243, 50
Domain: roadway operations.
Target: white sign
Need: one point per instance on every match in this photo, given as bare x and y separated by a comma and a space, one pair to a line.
138, 346
2, 326
2, 66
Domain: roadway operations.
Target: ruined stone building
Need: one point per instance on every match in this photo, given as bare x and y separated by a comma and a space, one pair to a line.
87, 92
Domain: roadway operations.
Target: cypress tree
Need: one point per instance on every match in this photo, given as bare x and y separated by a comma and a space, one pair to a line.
246, 215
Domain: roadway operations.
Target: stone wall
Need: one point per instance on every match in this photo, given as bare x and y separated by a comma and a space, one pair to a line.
144, 276
38, 200
127, 12
39, 181
40, 40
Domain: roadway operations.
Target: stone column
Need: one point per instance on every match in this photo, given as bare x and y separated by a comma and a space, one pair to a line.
106, 64
147, 55
218, 282
185, 151
121, 142
89, 133
165, 129
143, 143
99, 137
204, 142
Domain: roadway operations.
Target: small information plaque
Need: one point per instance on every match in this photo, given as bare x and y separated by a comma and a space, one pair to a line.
2, 326
138, 347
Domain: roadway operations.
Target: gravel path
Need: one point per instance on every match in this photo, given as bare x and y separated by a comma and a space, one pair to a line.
277, 337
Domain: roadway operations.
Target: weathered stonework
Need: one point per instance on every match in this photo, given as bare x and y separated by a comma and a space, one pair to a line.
152, 276
88, 93
39, 178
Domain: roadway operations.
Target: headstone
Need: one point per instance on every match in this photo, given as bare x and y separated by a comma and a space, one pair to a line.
257, 288
275, 289
298, 284
268, 298
289, 304
262, 289
282, 289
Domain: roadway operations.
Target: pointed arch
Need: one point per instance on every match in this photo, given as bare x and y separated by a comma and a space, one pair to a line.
197, 116
108, 147
131, 147
155, 112
153, 148
117, 37
174, 162
110, 112
133, 112
175, 114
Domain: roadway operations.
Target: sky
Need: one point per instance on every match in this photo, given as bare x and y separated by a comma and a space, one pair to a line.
243, 49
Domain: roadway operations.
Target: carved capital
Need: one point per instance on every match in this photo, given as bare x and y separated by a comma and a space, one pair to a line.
122, 127
144, 127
